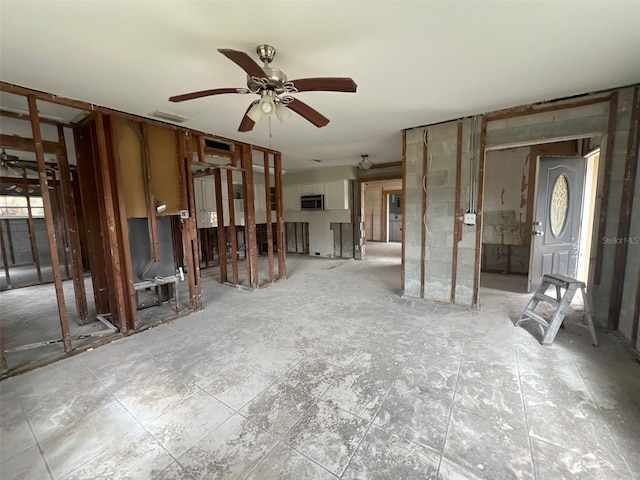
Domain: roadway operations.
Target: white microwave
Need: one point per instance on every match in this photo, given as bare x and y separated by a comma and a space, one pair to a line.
312, 202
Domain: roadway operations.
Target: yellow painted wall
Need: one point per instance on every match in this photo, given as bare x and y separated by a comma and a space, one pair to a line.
164, 169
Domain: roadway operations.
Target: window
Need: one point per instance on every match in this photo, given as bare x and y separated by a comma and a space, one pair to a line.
15, 206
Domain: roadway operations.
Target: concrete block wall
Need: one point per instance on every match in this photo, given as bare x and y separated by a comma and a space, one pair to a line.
525, 130
442, 142
467, 244
21, 243
600, 293
413, 210
632, 272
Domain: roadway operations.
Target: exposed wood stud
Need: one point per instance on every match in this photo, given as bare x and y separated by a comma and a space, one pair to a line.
59, 223
606, 186
251, 246
184, 201
26, 117
12, 253
404, 209
90, 216
47, 97
48, 216
457, 224
151, 197
73, 231
30, 181
123, 232
233, 234
423, 227
190, 227
32, 230
221, 230
280, 226
533, 109
267, 189
626, 206
26, 144
479, 207
113, 244
5, 261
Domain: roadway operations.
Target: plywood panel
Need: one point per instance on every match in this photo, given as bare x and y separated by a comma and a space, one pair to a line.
164, 168
132, 173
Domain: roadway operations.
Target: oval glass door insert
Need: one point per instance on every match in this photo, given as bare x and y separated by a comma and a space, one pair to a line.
559, 205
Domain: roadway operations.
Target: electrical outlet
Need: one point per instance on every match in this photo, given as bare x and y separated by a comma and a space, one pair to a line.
469, 219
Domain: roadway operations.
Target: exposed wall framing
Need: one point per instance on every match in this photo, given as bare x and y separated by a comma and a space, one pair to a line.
48, 214
457, 223
606, 185
626, 203
73, 230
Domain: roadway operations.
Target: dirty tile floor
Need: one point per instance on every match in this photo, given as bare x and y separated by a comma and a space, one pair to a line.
330, 375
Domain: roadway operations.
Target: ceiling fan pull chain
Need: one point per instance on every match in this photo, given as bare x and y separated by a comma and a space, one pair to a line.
270, 134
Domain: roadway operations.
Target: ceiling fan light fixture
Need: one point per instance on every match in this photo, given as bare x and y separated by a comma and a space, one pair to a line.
365, 163
267, 105
255, 113
282, 112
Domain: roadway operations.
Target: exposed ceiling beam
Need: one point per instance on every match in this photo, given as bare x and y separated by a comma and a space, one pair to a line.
27, 118
46, 97
27, 144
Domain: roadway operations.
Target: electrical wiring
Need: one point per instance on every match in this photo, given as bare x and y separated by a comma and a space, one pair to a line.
427, 246
136, 128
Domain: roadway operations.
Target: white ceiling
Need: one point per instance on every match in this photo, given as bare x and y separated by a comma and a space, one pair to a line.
415, 63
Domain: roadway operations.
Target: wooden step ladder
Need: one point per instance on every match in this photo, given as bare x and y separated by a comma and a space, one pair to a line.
562, 303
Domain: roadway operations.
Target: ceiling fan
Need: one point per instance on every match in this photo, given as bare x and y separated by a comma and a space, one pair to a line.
274, 89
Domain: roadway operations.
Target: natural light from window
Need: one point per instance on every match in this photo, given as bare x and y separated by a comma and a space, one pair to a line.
15, 206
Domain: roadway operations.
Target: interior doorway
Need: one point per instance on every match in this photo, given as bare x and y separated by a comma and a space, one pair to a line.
394, 216
379, 217
512, 179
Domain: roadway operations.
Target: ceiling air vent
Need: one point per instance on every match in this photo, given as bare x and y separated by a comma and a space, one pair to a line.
209, 142
168, 117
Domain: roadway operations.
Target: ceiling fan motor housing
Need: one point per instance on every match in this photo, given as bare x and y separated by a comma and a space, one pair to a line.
266, 53
275, 81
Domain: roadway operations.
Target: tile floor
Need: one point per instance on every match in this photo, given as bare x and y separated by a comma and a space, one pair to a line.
330, 375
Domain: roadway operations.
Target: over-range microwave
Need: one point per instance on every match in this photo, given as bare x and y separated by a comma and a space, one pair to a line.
312, 202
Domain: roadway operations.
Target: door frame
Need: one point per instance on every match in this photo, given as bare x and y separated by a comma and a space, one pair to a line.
385, 211
541, 141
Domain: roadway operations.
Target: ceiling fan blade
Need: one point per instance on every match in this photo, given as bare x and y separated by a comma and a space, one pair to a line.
246, 125
326, 84
308, 113
244, 61
206, 93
